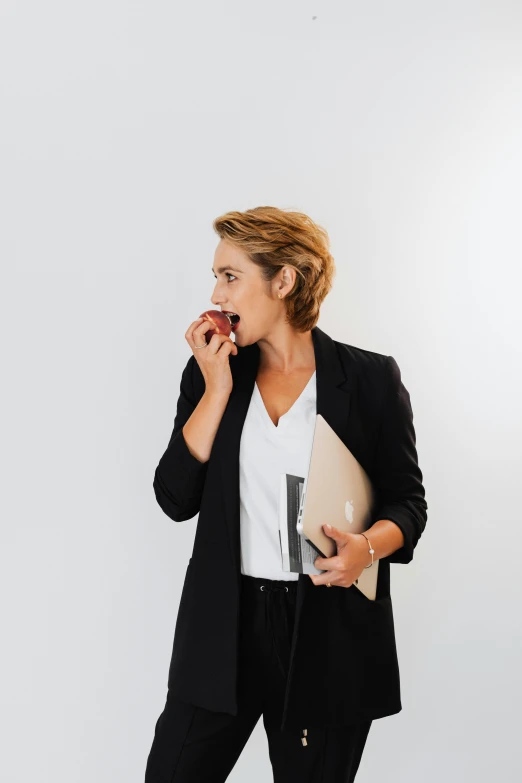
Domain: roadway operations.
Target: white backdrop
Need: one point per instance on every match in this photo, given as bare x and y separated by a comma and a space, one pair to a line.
126, 128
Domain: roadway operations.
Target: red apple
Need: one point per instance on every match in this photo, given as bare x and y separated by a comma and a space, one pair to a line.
222, 323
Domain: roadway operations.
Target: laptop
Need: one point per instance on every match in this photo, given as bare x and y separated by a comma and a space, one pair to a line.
337, 491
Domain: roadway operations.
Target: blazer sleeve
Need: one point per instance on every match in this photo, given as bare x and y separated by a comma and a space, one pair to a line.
179, 477
397, 477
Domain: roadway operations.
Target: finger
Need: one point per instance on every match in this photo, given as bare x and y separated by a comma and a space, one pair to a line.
334, 563
228, 346
221, 340
197, 337
189, 334
216, 341
323, 579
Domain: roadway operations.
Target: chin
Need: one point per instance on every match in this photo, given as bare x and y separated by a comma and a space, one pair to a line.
240, 342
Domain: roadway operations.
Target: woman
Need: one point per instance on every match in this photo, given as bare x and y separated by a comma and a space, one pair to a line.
318, 664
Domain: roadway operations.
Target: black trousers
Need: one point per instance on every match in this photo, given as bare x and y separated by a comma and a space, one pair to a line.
194, 744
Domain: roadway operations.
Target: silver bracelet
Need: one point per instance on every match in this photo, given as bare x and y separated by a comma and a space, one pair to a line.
371, 551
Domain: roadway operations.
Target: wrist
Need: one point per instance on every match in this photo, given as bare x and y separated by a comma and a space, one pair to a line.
216, 397
365, 543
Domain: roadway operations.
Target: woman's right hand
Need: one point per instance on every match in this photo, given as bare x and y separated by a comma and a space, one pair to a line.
213, 359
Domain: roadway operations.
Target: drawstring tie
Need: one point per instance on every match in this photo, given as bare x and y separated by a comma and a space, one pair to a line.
270, 590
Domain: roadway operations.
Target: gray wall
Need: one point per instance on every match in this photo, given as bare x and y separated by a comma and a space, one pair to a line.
126, 128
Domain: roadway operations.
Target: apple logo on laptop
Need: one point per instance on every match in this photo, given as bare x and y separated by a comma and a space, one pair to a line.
348, 510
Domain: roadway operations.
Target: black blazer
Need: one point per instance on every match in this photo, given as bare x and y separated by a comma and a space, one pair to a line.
343, 666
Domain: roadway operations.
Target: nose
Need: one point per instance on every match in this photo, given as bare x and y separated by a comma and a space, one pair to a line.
216, 297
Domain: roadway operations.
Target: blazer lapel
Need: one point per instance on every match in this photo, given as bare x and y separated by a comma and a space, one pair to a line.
334, 403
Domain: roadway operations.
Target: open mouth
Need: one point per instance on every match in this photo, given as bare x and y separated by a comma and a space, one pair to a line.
233, 318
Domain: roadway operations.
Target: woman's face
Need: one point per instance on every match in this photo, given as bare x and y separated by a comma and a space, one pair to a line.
240, 289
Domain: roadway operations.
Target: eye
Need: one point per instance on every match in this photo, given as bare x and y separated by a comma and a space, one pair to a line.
228, 274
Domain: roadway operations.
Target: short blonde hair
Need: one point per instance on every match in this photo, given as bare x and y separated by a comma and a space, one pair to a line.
273, 238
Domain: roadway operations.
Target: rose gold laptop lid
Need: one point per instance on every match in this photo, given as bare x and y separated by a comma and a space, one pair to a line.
337, 491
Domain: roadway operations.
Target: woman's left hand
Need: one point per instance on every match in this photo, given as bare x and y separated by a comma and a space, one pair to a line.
348, 564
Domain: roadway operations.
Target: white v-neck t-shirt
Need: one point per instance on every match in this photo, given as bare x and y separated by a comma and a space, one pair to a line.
265, 452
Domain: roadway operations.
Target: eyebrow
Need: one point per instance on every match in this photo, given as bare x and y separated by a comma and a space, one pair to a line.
224, 269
